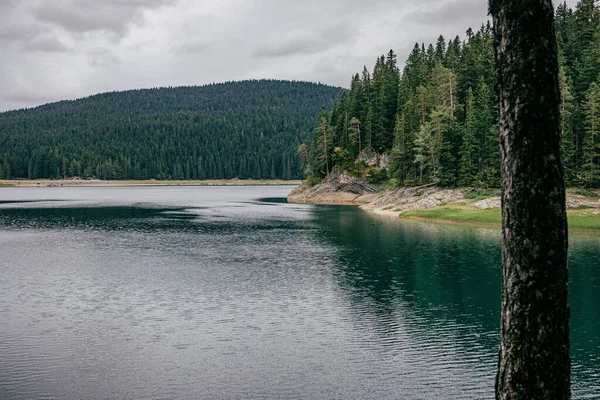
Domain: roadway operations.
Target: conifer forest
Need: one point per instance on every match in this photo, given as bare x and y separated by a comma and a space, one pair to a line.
435, 121
248, 129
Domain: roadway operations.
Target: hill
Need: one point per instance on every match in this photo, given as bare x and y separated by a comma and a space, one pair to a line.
248, 129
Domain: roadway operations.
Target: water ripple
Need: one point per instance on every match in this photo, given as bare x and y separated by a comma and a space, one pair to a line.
166, 293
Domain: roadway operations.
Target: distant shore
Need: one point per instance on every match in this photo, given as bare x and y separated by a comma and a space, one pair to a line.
150, 182
465, 206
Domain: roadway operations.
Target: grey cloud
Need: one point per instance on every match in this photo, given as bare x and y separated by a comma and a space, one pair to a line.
454, 12
102, 58
11, 34
31, 38
32, 25
82, 16
304, 42
7, 6
197, 47
46, 43
25, 97
286, 47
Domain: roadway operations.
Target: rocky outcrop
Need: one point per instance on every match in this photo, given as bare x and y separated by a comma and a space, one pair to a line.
343, 188
374, 160
414, 198
341, 191
486, 204
575, 202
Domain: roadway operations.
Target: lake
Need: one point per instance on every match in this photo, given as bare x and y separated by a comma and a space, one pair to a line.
230, 292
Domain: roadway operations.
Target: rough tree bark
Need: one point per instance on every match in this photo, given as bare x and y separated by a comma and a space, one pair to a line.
534, 360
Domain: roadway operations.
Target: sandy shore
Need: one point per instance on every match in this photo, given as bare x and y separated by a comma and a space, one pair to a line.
101, 183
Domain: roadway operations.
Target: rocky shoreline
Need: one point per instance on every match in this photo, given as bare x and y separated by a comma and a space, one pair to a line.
396, 201
375, 198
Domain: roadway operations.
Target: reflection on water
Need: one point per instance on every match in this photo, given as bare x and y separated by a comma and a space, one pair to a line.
449, 279
233, 293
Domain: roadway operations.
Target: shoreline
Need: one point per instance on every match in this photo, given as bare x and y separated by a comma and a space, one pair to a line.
430, 204
480, 224
467, 223
449, 221
142, 183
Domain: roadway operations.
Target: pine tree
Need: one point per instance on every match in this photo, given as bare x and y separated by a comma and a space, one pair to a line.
422, 101
440, 50
305, 159
427, 146
421, 150
437, 128
441, 89
321, 146
378, 106
366, 99
369, 127
398, 155
412, 123
468, 151
591, 108
441, 99
356, 97
489, 157
430, 56
355, 136
587, 29
392, 92
566, 126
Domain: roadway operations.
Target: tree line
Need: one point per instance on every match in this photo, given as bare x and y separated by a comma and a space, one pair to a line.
437, 119
247, 129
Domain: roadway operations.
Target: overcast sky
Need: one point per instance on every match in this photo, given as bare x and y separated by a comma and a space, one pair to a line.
64, 49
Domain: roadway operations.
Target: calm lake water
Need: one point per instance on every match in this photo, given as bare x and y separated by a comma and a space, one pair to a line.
229, 292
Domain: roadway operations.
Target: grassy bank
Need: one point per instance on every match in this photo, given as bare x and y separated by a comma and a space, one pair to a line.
87, 183
458, 214
584, 219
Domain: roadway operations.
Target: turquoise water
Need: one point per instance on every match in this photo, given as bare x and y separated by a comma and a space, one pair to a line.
229, 292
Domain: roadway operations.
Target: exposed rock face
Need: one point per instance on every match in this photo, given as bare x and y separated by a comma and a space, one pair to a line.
375, 160
485, 204
574, 202
333, 193
373, 197
343, 188
415, 198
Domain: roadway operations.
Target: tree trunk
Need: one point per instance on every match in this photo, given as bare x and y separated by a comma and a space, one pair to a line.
534, 360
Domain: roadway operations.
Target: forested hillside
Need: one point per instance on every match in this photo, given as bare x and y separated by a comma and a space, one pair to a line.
247, 129
437, 119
